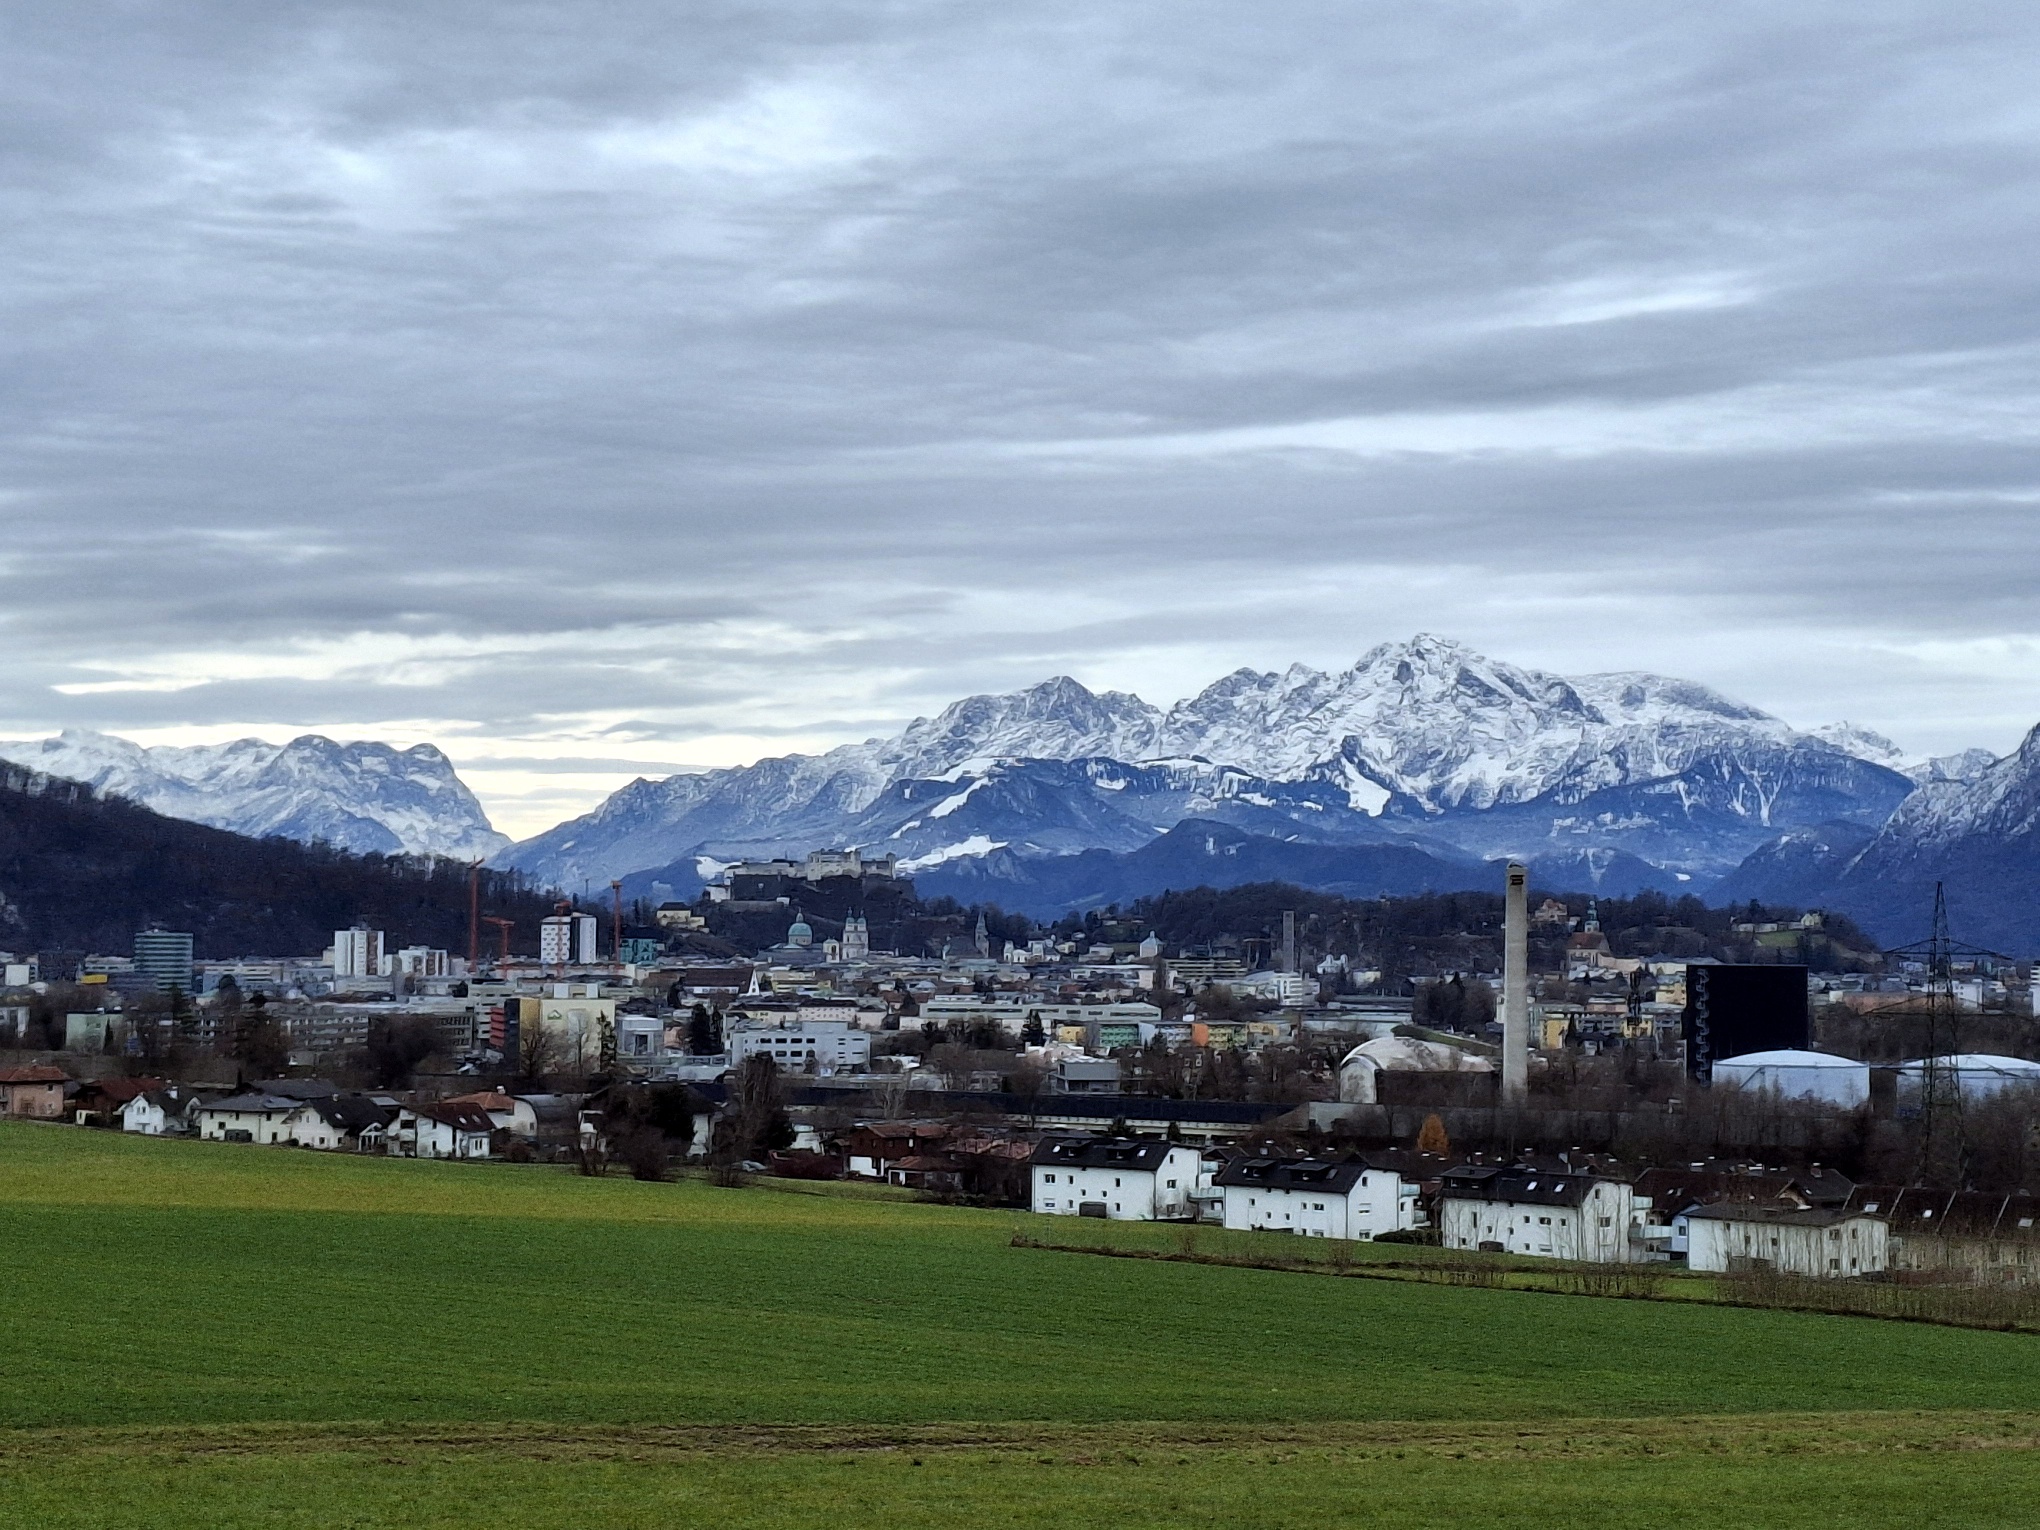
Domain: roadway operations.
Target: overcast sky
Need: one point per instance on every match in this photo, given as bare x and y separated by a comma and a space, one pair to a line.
599, 388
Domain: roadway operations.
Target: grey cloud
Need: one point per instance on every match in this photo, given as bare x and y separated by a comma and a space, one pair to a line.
688, 366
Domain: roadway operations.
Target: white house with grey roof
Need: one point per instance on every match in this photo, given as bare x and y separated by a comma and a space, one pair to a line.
1317, 1198
1546, 1215
1122, 1179
1823, 1242
247, 1118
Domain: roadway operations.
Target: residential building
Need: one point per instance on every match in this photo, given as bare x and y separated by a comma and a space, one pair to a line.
158, 1113
801, 1045
1317, 1198
567, 940
1821, 1242
441, 1131
1563, 1215
357, 953
37, 1092
875, 1148
422, 962
337, 1123
1084, 1075
640, 1039
246, 1118
165, 956
1122, 1179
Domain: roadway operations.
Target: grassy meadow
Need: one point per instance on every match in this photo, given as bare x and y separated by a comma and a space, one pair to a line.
288, 1338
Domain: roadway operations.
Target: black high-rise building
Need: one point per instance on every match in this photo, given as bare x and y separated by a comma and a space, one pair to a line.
1734, 1010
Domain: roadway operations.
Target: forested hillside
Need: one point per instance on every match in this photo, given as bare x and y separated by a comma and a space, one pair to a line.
82, 872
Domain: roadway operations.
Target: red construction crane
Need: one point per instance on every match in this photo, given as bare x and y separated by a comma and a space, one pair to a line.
503, 929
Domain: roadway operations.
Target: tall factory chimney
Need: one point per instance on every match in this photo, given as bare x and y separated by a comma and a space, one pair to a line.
1516, 988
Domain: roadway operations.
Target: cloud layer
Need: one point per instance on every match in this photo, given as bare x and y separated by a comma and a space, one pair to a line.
592, 389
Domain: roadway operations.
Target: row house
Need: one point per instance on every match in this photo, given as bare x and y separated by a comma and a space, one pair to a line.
1545, 1214
1122, 1179
1317, 1198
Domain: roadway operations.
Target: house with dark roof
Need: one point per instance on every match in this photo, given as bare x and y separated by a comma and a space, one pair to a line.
245, 1118
440, 1131
159, 1112
1567, 1214
1122, 1179
341, 1123
876, 1147
103, 1098
1822, 1242
1316, 1197
1981, 1236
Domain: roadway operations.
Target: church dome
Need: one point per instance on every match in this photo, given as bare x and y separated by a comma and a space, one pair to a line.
800, 933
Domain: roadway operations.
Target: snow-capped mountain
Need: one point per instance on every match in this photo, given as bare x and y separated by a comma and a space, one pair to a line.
361, 796
1424, 738
1979, 835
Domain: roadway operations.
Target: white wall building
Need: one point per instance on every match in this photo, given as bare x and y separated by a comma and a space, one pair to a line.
1315, 1198
357, 953
566, 940
422, 962
800, 1045
1821, 1242
1122, 1179
442, 1131
246, 1118
155, 1114
1541, 1214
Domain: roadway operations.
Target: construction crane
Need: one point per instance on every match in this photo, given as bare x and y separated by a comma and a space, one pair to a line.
474, 913
502, 929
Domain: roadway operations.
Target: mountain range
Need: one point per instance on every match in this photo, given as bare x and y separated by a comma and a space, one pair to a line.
363, 797
1424, 743
1414, 768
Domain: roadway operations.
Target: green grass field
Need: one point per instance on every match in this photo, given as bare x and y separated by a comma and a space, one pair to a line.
230, 1335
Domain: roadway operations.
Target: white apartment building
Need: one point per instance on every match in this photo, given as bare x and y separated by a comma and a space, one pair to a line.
567, 940
1821, 1242
1563, 1215
1122, 1179
800, 1046
1316, 1198
357, 953
422, 962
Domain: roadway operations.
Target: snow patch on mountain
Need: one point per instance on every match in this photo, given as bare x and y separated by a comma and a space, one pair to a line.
977, 844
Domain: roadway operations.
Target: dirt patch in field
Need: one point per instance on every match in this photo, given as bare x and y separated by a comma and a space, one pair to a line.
1070, 1444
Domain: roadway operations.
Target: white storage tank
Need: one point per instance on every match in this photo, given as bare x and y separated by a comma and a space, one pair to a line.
1980, 1074
1798, 1075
